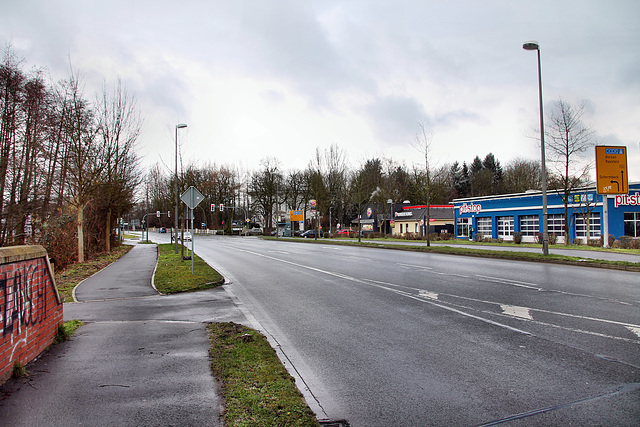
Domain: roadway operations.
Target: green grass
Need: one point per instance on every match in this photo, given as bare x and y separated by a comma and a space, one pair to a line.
68, 278
258, 390
66, 330
173, 274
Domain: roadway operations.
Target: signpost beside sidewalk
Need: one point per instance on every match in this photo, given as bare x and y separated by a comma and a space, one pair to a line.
611, 178
192, 198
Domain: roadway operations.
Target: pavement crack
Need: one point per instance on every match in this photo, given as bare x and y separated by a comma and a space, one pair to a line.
624, 388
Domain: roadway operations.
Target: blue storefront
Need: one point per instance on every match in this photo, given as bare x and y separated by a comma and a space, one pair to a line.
500, 217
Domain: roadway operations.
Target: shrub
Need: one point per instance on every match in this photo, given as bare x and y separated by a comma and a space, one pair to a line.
627, 242
595, 242
444, 236
517, 238
59, 239
479, 237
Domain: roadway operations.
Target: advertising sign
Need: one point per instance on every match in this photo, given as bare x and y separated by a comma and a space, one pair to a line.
611, 170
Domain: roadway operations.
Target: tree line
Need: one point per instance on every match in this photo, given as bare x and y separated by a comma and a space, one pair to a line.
340, 190
68, 167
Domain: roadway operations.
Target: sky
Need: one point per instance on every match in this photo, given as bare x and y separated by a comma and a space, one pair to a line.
258, 79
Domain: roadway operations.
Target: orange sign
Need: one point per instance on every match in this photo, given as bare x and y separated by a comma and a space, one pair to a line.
611, 170
296, 216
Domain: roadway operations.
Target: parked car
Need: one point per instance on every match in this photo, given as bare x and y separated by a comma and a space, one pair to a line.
162, 230
346, 232
310, 234
254, 231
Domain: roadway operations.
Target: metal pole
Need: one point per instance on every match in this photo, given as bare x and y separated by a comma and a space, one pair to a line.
543, 174
193, 238
175, 190
533, 45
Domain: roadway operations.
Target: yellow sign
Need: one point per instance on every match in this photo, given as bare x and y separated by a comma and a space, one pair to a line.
611, 170
296, 215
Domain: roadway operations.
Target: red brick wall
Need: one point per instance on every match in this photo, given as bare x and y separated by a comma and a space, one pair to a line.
30, 307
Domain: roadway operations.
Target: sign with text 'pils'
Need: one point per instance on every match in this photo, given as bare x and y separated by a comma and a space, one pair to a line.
611, 170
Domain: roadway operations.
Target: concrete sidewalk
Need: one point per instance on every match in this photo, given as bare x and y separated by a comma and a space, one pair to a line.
141, 359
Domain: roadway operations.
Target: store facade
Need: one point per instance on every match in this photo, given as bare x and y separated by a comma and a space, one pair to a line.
500, 217
411, 220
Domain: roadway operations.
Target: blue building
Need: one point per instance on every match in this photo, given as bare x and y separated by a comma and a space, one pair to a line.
499, 217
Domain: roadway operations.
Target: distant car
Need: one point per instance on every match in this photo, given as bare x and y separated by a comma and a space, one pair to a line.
254, 231
187, 236
162, 230
310, 234
346, 232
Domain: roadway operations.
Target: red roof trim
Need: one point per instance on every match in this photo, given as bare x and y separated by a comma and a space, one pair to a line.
424, 206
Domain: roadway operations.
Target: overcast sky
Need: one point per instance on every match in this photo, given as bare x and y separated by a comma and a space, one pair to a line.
265, 78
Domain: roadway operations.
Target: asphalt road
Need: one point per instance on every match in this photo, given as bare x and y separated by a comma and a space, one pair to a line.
384, 338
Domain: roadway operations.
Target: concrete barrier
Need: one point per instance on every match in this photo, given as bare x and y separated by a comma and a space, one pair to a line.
30, 306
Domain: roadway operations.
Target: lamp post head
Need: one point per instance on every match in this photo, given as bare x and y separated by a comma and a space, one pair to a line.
181, 125
531, 45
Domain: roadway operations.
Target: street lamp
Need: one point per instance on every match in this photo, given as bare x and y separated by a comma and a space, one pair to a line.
533, 45
175, 188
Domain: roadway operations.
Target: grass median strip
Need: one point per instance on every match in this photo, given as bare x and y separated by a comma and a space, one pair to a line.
258, 390
173, 274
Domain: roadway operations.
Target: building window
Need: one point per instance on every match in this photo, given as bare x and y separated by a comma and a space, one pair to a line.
416, 224
462, 227
505, 226
555, 224
400, 228
632, 224
529, 225
594, 225
484, 226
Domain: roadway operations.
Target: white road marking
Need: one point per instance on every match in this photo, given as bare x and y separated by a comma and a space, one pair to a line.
634, 329
415, 266
510, 282
514, 310
427, 294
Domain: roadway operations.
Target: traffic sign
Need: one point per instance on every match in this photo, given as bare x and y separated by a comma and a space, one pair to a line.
296, 216
611, 170
192, 197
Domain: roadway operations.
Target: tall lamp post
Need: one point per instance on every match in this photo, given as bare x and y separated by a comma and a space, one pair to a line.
534, 45
175, 188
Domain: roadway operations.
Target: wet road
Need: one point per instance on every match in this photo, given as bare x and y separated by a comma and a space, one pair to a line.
385, 337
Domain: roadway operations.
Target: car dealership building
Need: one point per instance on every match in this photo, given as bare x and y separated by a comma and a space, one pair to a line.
500, 217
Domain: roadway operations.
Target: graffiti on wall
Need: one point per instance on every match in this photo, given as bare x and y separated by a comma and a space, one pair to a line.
24, 298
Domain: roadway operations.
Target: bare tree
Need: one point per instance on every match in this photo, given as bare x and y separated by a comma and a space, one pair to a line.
521, 175
118, 127
423, 144
86, 154
568, 139
264, 187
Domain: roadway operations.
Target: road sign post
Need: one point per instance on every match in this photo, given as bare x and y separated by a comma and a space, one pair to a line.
611, 178
192, 198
